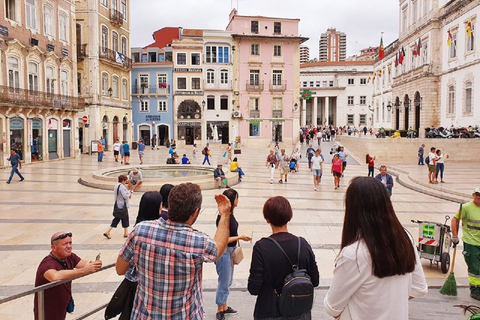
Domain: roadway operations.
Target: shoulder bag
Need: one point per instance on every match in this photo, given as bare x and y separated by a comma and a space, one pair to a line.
237, 254
120, 213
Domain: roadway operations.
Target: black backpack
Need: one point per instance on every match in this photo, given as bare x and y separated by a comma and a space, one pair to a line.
296, 297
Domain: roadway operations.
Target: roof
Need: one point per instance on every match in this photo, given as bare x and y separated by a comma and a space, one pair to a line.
336, 63
163, 37
192, 33
264, 17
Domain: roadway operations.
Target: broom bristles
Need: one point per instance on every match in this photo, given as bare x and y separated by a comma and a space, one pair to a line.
449, 288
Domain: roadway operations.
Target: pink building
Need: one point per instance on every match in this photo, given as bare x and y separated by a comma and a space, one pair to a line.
266, 78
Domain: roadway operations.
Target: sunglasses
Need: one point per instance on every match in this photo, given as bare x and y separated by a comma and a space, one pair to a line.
62, 236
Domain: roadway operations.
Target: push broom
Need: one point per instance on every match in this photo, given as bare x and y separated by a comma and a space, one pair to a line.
449, 288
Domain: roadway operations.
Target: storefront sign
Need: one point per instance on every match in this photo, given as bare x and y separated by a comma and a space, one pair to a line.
16, 124
37, 124
188, 69
189, 93
149, 118
189, 124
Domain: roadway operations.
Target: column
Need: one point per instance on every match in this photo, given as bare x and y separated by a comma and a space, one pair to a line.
315, 111
304, 113
326, 111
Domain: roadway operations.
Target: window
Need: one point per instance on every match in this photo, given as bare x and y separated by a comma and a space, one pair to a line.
124, 46
144, 82
10, 10
115, 5
414, 11
31, 14
181, 58
64, 83
62, 27
104, 37
277, 50
50, 80
123, 8
104, 84
451, 100
363, 100
210, 103
32, 76
210, 76
277, 27
304, 84
350, 100
330, 83
350, 119
468, 97
363, 80
162, 80
224, 76
124, 89
424, 52
214, 55
224, 103
162, 106
255, 104
471, 38
48, 20
223, 56
254, 77
196, 83
13, 72
324, 83
115, 87
311, 84
351, 81
114, 41
144, 106
425, 7
277, 104
195, 59
254, 26
104, 3
363, 119
182, 83
452, 52
254, 130
255, 50
404, 19
317, 84
277, 77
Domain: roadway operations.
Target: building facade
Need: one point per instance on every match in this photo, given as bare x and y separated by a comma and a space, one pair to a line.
38, 98
103, 44
332, 46
304, 54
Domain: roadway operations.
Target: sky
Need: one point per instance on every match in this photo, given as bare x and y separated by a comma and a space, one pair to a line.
363, 21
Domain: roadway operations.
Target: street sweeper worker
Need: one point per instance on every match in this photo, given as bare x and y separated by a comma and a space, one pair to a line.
469, 213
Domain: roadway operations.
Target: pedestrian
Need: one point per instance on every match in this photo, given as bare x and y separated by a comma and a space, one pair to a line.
206, 153
219, 176
116, 150
271, 164
122, 152
309, 154
235, 167
386, 179
296, 155
469, 214
135, 180
228, 153
319, 137
104, 142
224, 264
343, 156
126, 153
183, 252
269, 266
378, 269
99, 151
336, 170
317, 167
370, 160
60, 264
154, 142
440, 165
420, 153
283, 163
432, 168
365, 130
185, 160
194, 153
165, 192
122, 197
16, 165
141, 150
276, 148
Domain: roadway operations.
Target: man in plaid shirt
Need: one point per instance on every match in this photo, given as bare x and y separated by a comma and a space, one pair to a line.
169, 255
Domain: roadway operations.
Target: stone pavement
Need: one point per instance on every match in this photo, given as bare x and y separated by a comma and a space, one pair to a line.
51, 200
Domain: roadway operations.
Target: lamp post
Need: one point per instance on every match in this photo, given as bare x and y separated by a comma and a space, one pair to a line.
110, 91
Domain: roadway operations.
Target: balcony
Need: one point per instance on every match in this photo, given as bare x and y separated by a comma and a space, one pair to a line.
277, 113
162, 90
81, 51
115, 58
278, 87
254, 86
116, 18
218, 86
28, 98
254, 113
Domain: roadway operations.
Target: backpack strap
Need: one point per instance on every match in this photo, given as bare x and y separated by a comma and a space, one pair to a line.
294, 266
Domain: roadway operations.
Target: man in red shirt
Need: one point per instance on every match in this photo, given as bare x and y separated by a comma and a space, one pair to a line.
60, 264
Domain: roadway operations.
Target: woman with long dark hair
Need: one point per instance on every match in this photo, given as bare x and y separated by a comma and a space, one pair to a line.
378, 269
165, 191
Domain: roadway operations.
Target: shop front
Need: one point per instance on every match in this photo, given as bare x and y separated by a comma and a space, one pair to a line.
37, 136
67, 125
17, 138
190, 132
52, 139
218, 131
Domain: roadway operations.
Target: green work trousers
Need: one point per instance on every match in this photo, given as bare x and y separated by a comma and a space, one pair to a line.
471, 253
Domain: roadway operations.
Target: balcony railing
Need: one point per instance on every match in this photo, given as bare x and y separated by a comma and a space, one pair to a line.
218, 86
277, 113
282, 86
115, 57
254, 113
163, 90
254, 86
116, 18
9, 95
81, 51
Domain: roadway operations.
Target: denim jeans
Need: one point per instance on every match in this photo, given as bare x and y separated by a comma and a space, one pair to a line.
206, 160
240, 172
420, 160
371, 171
225, 276
100, 156
440, 168
15, 170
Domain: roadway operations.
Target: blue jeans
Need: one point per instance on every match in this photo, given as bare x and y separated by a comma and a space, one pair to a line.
240, 173
420, 160
206, 160
225, 276
100, 156
15, 170
370, 171
440, 168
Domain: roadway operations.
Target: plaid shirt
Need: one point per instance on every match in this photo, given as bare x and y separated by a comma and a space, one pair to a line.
169, 258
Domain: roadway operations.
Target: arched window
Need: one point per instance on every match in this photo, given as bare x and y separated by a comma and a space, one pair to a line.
188, 109
124, 46
50, 80
13, 72
114, 41
63, 26
32, 77
210, 76
104, 84
64, 82
31, 14
115, 86
104, 37
468, 97
48, 26
124, 89
451, 100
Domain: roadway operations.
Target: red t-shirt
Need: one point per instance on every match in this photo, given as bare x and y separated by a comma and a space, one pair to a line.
337, 165
371, 162
57, 298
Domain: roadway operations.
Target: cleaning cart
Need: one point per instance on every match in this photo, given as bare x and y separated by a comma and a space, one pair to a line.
434, 242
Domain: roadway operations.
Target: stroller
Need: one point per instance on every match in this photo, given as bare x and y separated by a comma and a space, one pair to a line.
292, 165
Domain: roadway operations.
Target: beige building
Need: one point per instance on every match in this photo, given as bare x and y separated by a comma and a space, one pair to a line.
38, 97
103, 42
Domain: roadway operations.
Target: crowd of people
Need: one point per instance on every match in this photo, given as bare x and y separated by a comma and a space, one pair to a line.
328, 133
435, 161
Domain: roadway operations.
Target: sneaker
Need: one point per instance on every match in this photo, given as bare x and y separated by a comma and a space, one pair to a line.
335, 188
220, 316
116, 160
315, 188
22, 179
475, 296
230, 311
280, 181
271, 181
141, 162
8, 182
285, 180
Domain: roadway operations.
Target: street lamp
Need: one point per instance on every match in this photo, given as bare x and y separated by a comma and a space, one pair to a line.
418, 103
370, 108
110, 90
203, 105
389, 106
295, 107
406, 104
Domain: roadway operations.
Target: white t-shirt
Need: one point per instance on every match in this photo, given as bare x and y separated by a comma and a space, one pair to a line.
316, 162
319, 134
116, 146
431, 156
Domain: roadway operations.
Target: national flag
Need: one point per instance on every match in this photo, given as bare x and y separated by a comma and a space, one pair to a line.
419, 46
380, 73
381, 51
388, 69
368, 80
469, 28
120, 58
373, 80
401, 56
450, 38
414, 51
396, 60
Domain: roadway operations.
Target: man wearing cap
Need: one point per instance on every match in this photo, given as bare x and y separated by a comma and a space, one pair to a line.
219, 175
135, 179
469, 213
60, 264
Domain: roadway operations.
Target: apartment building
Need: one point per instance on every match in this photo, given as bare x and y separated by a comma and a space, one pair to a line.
332, 46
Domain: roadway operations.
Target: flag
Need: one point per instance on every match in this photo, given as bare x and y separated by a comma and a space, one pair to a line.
449, 40
388, 69
380, 73
396, 60
469, 28
368, 80
120, 58
381, 51
401, 56
419, 46
414, 51
373, 80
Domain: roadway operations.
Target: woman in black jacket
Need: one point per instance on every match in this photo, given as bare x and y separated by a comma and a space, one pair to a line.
270, 267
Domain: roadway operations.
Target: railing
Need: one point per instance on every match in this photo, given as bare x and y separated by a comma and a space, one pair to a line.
282, 86
116, 18
254, 113
160, 90
277, 113
81, 51
40, 99
40, 290
218, 86
115, 57
254, 86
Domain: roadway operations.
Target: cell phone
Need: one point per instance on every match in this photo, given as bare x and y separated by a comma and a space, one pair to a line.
98, 257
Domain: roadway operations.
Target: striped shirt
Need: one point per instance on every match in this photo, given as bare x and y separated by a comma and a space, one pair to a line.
169, 258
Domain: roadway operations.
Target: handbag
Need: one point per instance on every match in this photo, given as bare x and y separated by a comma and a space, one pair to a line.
120, 213
122, 300
237, 255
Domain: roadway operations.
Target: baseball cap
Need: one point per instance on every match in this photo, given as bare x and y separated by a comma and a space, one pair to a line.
476, 190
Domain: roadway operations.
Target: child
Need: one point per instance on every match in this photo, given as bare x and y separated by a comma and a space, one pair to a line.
371, 164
